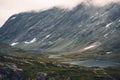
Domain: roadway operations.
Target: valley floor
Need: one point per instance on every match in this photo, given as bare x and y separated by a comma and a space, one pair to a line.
18, 68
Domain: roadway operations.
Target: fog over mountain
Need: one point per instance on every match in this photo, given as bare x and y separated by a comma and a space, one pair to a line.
60, 40
85, 27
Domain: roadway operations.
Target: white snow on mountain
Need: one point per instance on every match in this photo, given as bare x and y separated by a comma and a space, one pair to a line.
29, 42
15, 43
48, 36
92, 46
108, 25
13, 18
105, 35
108, 52
119, 20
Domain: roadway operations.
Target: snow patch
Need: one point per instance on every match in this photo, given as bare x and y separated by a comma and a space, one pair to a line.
108, 25
13, 18
108, 52
15, 43
48, 36
105, 35
119, 20
92, 46
32, 41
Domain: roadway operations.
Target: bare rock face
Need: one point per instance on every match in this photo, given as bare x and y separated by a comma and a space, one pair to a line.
57, 30
104, 78
43, 76
10, 74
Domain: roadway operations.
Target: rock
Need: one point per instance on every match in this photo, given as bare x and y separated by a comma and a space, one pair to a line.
43, 76
103, 78
10, 74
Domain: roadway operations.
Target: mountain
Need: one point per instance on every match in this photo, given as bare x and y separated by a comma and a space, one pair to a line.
5, 49
61, 30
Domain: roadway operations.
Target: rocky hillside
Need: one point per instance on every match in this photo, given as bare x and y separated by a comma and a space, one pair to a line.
16, 68
56, 30
5, 49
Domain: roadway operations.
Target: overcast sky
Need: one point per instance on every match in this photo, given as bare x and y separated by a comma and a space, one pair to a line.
10, 7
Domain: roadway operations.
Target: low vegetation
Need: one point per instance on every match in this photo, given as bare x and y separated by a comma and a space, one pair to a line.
58, 71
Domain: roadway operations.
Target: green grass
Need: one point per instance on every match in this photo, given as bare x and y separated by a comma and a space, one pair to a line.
33, 63
58, 73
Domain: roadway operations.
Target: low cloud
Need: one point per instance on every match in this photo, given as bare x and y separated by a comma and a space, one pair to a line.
10, 7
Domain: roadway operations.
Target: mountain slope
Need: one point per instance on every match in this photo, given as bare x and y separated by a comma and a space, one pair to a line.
7, 50
56, 30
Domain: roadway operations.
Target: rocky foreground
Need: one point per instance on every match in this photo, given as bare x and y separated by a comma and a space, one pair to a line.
14, 68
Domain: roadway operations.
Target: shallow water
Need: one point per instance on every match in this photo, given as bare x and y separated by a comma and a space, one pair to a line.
94, 63
55, 56
89, 63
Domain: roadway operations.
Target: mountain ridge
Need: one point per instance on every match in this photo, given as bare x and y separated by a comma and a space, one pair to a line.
57, 30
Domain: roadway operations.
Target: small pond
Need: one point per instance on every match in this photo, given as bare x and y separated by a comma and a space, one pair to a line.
94, 63
55, 56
